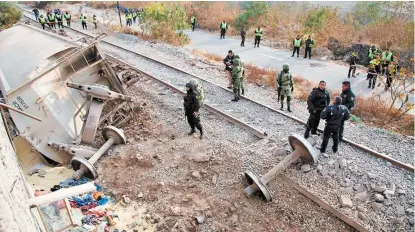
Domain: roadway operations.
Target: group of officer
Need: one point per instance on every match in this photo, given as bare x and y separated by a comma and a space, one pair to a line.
318, 105
298, 42
318, 102
235, 71
57, 16
381, 64
133, 16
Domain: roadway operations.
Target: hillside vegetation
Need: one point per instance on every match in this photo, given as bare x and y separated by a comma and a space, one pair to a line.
9, 15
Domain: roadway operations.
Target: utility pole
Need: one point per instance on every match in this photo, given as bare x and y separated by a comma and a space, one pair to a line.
119, 11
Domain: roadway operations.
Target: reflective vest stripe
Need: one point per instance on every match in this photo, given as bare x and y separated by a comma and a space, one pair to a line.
371, 53
311, 44
297, 42
388, 57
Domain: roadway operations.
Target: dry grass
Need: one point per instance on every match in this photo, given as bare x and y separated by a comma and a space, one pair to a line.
209, 57
260, 76
372, 111
376, 113
211, 14
397, 32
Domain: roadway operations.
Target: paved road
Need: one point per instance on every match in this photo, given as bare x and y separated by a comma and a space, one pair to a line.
314, 70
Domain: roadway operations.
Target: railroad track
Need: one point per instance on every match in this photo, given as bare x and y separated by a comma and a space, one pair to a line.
174, 88
255, 131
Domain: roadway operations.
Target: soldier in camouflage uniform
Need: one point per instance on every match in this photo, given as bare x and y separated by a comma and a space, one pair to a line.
237, 73
243, 74
285, 86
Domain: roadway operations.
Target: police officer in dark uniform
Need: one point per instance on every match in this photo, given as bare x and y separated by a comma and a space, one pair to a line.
228, 61
318, 99
348, 99
191, 107
334, 115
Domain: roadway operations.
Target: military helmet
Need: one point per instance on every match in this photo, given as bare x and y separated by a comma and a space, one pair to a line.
237, 57
236, 62
190, 85
285, 66
193, 82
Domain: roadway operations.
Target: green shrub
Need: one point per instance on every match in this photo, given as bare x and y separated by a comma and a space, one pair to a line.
317, 19
250, 16
165, 22
9, 15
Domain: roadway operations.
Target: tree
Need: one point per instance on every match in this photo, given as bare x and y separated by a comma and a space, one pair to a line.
400, 90
9, 15
368, 12
252, 13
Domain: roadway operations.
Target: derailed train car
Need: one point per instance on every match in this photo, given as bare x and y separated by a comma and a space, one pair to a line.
65, 84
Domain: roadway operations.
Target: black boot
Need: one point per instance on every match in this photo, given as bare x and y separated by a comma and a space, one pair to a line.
282, 105
289, 104
201, 134
307, 134
192, 132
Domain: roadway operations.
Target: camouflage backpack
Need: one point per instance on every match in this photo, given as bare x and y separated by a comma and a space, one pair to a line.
200, 96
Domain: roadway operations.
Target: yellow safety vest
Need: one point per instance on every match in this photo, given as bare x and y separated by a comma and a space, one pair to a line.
42, 20
83, 19
386, 57
371, 53
223, 25
94, 19
192, 19
258, 33
297, 43
51, 17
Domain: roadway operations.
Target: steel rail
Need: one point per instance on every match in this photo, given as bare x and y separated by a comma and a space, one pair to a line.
370, 151
325, 206
212, 109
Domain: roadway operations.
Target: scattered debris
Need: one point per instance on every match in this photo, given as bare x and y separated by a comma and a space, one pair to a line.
305, 168
140, 195
200, 219
345, 201
379, 197
196, 174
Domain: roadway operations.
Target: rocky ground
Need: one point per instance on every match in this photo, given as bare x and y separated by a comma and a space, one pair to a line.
351, 180
179, 177
350, 174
